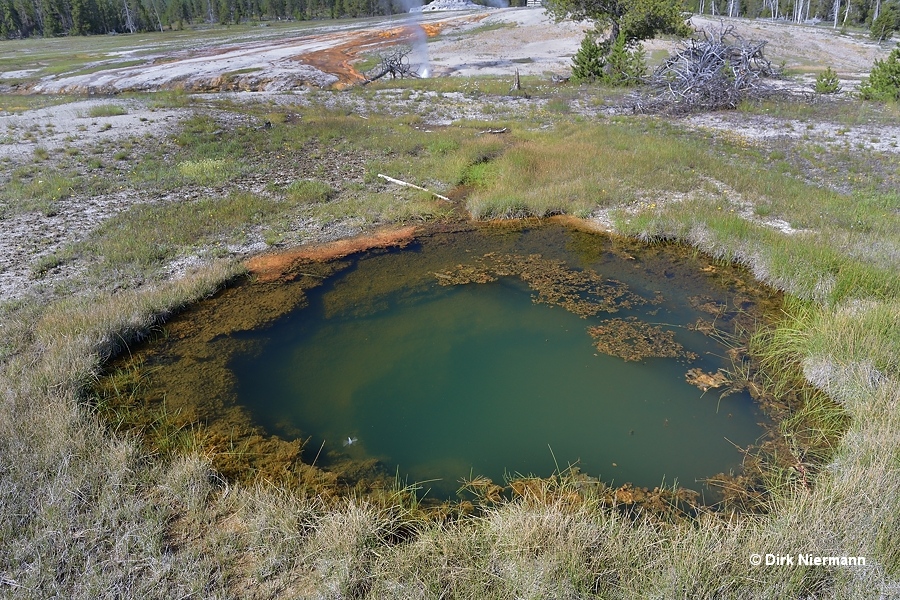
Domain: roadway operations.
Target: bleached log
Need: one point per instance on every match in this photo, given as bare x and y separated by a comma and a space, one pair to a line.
412, 185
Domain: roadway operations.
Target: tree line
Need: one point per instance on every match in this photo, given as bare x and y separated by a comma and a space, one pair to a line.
880, 16
49, 18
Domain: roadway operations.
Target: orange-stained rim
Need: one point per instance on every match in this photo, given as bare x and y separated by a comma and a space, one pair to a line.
271, 267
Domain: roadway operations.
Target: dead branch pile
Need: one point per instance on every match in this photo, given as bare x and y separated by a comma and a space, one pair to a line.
396, 64
717, 72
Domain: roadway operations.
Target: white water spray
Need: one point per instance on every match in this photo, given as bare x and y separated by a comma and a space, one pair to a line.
419, 55
420, 47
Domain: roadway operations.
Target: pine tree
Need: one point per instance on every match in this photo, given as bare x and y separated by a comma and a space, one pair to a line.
10, 24
589, 61
627, 22
80, 21
827, 82
636, 19
886, 24
85, 17
223, 8
626, 63
51, 25
884, 80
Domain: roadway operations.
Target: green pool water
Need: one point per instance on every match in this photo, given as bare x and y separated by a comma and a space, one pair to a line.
440, 383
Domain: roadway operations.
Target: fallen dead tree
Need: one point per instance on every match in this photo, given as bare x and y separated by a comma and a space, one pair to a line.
402, 183
396, 64
718, 72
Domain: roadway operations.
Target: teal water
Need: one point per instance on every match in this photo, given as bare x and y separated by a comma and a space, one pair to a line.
444, 383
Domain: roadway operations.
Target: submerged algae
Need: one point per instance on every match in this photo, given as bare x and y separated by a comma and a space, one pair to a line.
178, 391
191, 371
582, 292
633, 339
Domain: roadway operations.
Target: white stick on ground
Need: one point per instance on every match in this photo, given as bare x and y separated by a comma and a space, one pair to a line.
411, 185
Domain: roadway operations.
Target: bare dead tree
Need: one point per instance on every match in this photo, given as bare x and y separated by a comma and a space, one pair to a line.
156, 14
129, 19
396, 64
717, 72
517, 84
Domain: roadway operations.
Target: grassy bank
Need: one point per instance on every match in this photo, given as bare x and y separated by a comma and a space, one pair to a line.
86, 511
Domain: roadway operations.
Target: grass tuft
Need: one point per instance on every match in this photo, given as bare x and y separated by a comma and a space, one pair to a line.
147, 235
208, 171
106, 110
304, 191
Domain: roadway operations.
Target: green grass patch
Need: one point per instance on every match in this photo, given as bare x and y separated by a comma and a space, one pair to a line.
203, 137
209, 171
844, 113
46, 263
168, 99
573, 169
147, 235
71, 63
368, 62
486, 27
244, 71
480, 86
106, 110
37, 189
305, 191
558, 105
16, 103
815, 266
395, 206
860, 331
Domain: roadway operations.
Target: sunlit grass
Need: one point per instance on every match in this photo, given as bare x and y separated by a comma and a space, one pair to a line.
306, 191
146, 235
400, 206
17, 103
847, 113
39, 189
106, 110
208, 171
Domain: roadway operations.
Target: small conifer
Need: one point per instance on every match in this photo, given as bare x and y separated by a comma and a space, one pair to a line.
884, 80
589, 61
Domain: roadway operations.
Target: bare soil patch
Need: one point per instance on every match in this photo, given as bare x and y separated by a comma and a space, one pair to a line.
71, 125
